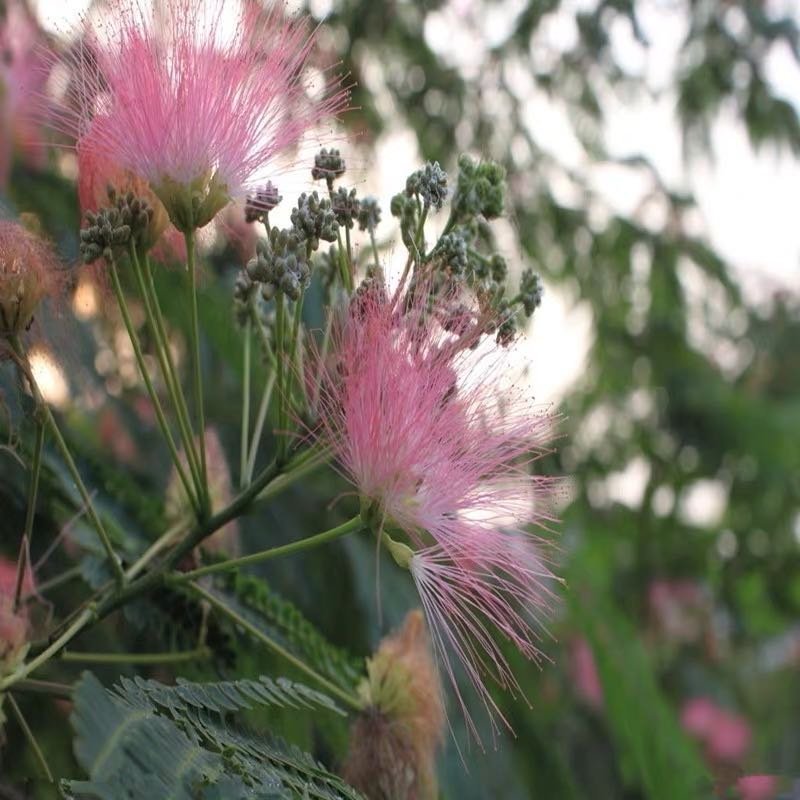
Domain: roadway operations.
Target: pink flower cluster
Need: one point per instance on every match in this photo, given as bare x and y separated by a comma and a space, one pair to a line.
197, 97
441, 454
13, 622
726, 735
23, 74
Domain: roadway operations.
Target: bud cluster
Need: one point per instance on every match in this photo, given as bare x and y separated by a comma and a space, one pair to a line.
369, 214
328, 164
346, 207
264, 200
459, 256
480, 190
109, 229
430, 183
280, 264
314, 219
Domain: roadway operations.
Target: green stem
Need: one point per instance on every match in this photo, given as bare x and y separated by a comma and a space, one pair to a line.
280, 354
58, 580
347, 276
349, 250
160, 544
198, 378
419, 237
52, 426
33, 490
351, 526
346, 697
62, 690
245, 439
304, 465
137, 349
136, 658
266, 346
259, 428
78, 624
98, 610
296, 334
374, 245
167, 362
323, 357
30, 737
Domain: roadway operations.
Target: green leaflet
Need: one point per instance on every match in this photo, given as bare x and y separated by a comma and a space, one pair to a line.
144, 740
256, 600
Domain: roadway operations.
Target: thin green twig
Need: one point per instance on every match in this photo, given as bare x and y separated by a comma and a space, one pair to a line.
351, 526
30, 737
154, 399
33, 490
343, 695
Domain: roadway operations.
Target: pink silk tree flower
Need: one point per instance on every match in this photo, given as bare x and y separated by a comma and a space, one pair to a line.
23, 73
415, 412
196, 97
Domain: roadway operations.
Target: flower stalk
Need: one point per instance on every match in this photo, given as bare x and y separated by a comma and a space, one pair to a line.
55, 432
189, 236
33, 490
154, 399
346, 528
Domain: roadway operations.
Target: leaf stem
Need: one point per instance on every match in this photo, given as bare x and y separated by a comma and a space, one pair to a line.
351, 526
52, 426
198, 378
245, 438
67, 636
153, 309
30, 737
136, 658
154, 399
62, 690
33, 490
280, 354
259, 428
346, 697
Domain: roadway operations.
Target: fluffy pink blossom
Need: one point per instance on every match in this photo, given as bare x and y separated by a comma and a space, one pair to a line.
438, 451
22, 77
726, 735
196, 97
757, 787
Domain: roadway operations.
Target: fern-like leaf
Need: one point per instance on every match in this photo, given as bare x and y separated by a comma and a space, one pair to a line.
143, 740
256, 601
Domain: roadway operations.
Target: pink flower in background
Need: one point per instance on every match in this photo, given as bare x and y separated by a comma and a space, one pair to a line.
726, 736
23, 73
440, 452
757, 787
698, 716
14, 628
730, 738
681, 610
585, 674
195, 103
8, 578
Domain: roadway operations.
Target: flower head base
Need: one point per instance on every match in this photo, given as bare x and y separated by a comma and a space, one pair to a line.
198, 113
441, 458
101, 182
394, 741
28, 273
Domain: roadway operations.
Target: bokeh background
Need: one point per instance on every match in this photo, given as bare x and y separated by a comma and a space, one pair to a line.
652, 154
